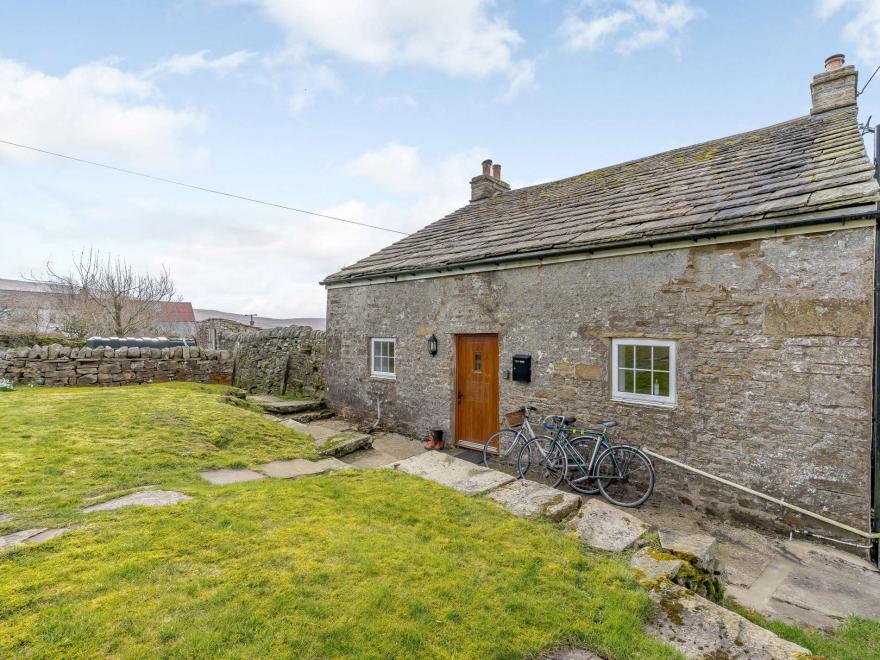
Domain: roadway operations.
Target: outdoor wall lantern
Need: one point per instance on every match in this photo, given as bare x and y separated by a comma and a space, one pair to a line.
432, 345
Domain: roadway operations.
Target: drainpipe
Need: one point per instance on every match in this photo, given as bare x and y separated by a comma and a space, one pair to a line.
875, 436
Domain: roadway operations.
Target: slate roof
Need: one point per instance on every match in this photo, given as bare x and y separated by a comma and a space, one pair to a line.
802, 166
176, 312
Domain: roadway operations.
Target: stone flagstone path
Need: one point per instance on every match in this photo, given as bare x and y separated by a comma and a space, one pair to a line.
37, 535
141, 498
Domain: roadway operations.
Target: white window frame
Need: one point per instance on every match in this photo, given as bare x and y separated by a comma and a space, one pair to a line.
388, 375
635, 397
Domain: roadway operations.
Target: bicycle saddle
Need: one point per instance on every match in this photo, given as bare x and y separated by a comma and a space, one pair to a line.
608, 423
568, 420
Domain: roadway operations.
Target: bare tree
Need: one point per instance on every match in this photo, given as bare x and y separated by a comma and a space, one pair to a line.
105, 295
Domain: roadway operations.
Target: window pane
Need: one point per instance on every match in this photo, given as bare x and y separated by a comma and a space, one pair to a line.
643, 357
390, 368
643, 382
625, 356
390, 349
661, 383
478, 362
661, 358
625, 380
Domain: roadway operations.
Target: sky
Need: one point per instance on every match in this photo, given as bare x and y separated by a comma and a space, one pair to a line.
375, 111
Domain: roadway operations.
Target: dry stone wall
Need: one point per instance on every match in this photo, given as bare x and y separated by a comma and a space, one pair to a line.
280, 361
58, 365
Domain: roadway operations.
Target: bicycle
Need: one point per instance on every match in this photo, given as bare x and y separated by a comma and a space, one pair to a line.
501, 448
590, 463
543, 458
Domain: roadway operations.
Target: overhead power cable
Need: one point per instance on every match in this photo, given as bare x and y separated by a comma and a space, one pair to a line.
202, 188
869, 81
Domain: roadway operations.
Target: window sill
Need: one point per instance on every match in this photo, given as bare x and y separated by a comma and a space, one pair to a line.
644, 402
384, 379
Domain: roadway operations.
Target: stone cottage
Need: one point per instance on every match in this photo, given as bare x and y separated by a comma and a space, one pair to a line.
717, 300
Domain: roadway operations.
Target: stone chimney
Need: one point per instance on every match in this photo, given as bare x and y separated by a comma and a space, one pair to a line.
835, 87
489, 183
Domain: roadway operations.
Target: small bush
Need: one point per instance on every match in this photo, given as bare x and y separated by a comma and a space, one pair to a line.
6, 385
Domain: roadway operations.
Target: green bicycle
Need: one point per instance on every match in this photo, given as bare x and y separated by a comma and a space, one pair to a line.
589, 463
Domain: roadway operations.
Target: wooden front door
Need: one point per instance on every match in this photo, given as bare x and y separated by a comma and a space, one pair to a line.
476, 389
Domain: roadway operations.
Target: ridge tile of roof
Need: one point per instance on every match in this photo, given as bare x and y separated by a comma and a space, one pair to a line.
792, 168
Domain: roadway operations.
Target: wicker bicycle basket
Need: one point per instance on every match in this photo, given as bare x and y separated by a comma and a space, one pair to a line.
515, 418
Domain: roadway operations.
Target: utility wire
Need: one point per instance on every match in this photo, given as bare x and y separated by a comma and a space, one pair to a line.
203, 189
869, 81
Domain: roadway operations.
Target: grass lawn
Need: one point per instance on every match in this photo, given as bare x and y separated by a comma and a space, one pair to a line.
354, 564
357, 564
63, 448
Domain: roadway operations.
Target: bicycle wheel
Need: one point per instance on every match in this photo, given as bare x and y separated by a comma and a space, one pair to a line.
579, 475
624, 475
501, 450
543, 461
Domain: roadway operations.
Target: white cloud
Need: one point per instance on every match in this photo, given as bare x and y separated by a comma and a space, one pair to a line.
627, 25
279, 257
862, 29
94, 110
458, 37
200, 61
399, 169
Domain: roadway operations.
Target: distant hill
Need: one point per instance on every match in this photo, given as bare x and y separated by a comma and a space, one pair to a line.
259, 321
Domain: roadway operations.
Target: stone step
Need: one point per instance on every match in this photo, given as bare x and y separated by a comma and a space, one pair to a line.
699, 628
700, 549
313, 416
343, 444
528, 499
606, 527
452, 472
278, 406
650, 567
300, 467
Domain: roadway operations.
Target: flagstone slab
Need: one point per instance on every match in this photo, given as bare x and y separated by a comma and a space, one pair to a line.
528, 499
701, 549
278, 406
343, 444
456, 473
699, 628
5, 517
653, 568
300, 467
229, 476
35, 535
19, 537
141, 498
48, 534
606, 527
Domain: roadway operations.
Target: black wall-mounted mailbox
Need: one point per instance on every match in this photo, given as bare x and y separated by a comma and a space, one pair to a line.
522, 368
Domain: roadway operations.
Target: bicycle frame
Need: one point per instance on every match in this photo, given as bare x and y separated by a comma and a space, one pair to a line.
524, 433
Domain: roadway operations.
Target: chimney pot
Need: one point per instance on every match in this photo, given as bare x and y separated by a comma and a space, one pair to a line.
487, 166
834, 62
496, 171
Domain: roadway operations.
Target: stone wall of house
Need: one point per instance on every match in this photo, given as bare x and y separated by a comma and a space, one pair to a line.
280, 360
58, 365
774, 364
